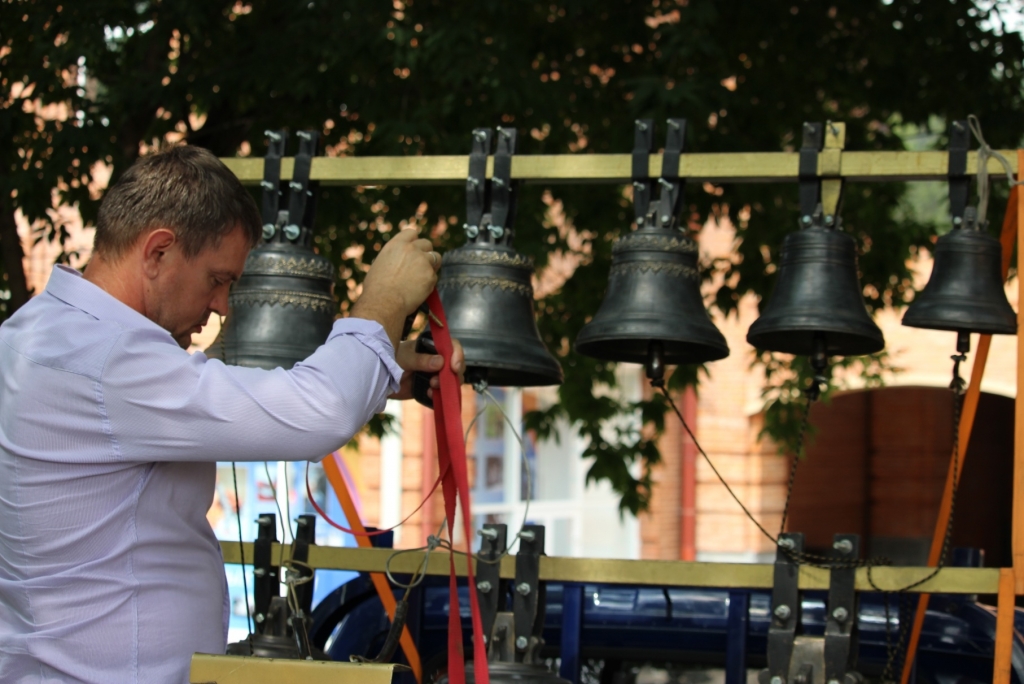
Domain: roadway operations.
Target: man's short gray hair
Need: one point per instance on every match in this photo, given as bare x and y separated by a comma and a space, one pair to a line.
186, 189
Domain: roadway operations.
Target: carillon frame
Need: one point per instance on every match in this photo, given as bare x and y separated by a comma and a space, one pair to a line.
829, 167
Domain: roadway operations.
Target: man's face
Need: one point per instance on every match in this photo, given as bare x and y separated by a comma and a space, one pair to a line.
187, 291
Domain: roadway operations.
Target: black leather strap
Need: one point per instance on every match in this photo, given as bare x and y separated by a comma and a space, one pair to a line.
810, 183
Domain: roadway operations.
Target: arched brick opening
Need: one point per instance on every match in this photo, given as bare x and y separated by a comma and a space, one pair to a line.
877, 465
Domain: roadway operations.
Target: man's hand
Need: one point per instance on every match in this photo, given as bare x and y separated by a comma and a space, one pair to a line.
412, 362
400, 279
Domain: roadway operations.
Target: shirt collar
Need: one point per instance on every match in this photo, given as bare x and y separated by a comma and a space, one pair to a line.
69, 286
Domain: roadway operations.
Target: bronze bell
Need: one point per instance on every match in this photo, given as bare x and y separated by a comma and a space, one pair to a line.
485, 284
488, 299
817, 306
282, 308
653, 312
965, 291
653, 301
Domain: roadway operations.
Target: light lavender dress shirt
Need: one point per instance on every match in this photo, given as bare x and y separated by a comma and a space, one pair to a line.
109, 434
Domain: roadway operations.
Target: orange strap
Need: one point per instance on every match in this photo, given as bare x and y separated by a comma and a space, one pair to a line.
1007, 238
380, 582
1004, 627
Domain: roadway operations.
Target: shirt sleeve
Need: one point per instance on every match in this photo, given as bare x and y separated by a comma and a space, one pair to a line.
163, 404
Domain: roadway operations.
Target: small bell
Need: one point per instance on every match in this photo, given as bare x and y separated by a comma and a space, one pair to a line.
653, 313
965, 291
817, 308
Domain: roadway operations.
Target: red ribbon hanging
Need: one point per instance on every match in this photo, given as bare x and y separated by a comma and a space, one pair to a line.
451, 455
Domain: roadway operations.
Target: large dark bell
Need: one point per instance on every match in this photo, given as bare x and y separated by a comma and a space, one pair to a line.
653, 297
817, 295
488, 300
281, 309
965, 292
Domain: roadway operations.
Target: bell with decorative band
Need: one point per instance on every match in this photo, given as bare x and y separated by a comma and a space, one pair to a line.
488, 300
653, 312
965, 292
817, 308
282, 308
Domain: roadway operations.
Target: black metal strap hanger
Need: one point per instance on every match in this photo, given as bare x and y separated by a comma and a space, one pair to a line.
477, 188
959, 181
672, 185
810, 182
643, 186
299, 186
271, 183
503, 190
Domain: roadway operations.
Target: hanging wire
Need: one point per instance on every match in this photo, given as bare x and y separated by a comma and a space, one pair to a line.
241, 547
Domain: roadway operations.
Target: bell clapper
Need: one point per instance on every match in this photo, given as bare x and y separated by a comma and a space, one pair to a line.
655, 365
963, 345
819, 362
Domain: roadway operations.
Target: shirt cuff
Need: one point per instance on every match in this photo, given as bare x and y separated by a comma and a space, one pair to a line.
372, 335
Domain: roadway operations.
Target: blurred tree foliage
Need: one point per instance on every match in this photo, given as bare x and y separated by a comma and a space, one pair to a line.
414, 77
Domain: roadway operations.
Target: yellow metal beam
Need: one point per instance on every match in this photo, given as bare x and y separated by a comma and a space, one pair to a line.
641, 572
222, 669
726, 167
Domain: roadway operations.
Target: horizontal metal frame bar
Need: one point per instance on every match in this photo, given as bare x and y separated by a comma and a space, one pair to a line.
641, 572
726, 167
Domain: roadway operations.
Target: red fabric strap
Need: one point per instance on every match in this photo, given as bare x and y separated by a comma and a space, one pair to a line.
451, 455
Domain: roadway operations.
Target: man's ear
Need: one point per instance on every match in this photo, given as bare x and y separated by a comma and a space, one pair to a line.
154, 250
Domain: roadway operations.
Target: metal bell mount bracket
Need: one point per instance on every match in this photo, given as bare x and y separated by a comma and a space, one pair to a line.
796, 658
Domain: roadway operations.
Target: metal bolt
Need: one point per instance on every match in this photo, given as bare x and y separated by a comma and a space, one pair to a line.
521, 643
666, 218
301, 522
291, 231
957, 220
777, 680
786, 543
263, 520
259, 618
473, 181
295, 185
259, 572
843, 546
484, 586
840, 614
496, 231
783, 612
480, 135
488, 533
273, 135
505, 132
641, 125
268, 231
471, 231
829, 220
498, 182
674, 124
528, 535
805, 219
638, 185
266, 185
304, 135
833, 681
523, 588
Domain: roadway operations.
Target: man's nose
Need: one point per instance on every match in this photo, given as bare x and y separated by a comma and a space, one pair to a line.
219, 303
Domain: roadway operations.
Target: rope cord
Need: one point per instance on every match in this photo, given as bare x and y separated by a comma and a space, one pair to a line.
984, 152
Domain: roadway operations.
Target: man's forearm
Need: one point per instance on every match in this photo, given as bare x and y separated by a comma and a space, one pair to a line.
385, 309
